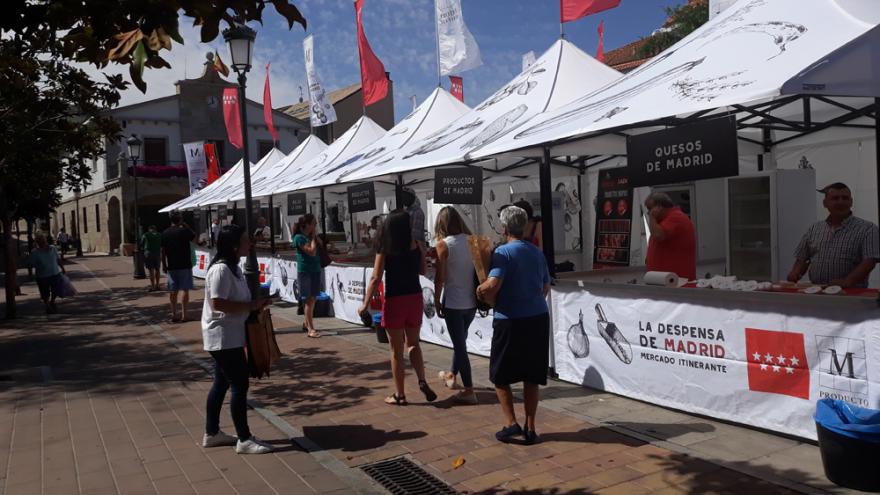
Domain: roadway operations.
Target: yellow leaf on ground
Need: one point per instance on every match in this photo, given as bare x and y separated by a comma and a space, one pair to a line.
458, 462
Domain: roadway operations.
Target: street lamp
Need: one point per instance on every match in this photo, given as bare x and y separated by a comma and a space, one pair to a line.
79, 245
240, 39
134, 152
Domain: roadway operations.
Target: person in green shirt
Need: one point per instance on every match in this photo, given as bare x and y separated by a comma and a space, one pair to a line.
308, 267
151, 245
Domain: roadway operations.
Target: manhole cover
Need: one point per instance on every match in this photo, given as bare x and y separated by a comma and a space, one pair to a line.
401, 476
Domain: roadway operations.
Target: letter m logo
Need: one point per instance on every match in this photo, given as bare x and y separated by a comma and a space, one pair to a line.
837, 367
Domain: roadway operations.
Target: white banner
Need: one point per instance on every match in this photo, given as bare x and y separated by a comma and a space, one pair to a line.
285, 280
320, 108
434, 328
762, 361
196, 165
458, 49
346, 286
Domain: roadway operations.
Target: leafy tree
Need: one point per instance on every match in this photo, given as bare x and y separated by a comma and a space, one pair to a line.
681, 21
53, 118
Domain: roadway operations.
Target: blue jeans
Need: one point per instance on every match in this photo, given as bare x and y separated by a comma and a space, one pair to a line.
457, 322
230, 369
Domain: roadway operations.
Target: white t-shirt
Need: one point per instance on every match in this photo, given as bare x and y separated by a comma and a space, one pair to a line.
220, 330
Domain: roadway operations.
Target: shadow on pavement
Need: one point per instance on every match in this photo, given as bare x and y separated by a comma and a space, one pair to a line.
354, 438
665, 431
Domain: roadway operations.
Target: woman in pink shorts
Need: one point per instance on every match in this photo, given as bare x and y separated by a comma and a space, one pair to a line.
401, 261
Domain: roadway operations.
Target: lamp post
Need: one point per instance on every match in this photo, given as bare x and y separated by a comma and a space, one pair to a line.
134, 152
79, 246
240, 39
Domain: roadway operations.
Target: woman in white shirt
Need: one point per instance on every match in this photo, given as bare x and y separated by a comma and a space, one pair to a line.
455, 296
227, 305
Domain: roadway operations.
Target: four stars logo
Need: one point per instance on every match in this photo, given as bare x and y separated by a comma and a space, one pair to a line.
777, 363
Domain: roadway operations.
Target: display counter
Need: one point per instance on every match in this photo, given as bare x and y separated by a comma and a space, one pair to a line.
758, 358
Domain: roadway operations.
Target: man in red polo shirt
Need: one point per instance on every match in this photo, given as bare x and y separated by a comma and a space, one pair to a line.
673, 244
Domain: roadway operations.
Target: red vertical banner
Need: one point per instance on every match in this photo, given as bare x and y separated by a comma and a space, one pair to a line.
457, 87
572, 10
267, 108
232, 116
600, 50
213, 163
374, 82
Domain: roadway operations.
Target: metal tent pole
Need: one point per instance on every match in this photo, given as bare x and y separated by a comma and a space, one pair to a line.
271, 225
547, 212
323, 214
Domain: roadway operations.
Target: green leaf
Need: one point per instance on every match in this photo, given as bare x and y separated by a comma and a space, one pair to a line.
137, 71
290, 12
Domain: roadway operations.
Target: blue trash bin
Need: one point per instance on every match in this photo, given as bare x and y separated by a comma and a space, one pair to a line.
849, 441
322, 305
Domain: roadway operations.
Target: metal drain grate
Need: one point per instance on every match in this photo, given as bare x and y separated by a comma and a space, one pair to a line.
401, 476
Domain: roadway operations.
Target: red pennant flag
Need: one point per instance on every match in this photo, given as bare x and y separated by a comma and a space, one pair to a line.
572, 10
374, 82
600, 50
213, 163
267, 107
457, 87
232, 116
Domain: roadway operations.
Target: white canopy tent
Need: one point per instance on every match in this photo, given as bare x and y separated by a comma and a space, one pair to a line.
235, 185
363, 133
193, 199
743, 56
289, 166
561, 74
435, 112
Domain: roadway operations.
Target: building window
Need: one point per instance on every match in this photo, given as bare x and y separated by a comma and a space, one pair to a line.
98, 218
85, 221
264, 147
155, 151
63, 221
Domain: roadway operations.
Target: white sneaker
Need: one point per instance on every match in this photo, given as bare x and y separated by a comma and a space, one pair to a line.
219, 439
253, 446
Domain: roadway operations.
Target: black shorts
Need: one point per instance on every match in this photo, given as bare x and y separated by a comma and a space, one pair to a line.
520, 350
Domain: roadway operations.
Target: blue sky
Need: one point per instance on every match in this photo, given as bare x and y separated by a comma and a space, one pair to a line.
401, 33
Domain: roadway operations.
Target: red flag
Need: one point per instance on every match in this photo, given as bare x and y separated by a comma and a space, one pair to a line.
777, 363
457, 87
374, 82
600, 50
572, 10
219, 66
213, 164
232, 116
267, 107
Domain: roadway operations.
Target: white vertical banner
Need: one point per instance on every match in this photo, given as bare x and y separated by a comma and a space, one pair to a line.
196, 165
458, 50
321, 110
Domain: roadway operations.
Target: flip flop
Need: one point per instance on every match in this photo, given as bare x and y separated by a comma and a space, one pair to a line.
314, 335
396, 400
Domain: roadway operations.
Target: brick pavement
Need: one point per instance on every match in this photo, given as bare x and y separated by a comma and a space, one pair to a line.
95, 401
331, 389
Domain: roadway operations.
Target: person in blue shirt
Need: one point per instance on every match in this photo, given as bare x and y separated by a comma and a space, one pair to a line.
517, 287
45, 261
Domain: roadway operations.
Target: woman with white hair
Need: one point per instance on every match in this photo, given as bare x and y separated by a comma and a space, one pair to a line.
517, 286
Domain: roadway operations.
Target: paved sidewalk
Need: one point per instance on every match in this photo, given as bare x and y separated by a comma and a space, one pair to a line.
94, 401
328, 393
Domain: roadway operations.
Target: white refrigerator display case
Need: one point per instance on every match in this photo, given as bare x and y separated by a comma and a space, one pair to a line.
767, 215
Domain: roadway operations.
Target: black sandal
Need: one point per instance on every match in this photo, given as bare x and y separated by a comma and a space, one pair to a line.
396, 400
430, 396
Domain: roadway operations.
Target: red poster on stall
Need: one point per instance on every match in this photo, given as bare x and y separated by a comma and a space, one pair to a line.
613, 219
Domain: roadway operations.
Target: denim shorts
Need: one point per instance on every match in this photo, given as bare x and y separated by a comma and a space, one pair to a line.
309, 284
181, 279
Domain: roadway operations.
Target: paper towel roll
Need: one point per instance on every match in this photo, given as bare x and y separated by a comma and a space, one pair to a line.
667, 279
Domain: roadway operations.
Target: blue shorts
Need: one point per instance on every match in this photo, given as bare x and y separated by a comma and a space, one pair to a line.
309, 284
180, 279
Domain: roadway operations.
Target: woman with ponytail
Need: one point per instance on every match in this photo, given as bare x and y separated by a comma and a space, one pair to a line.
308, 267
